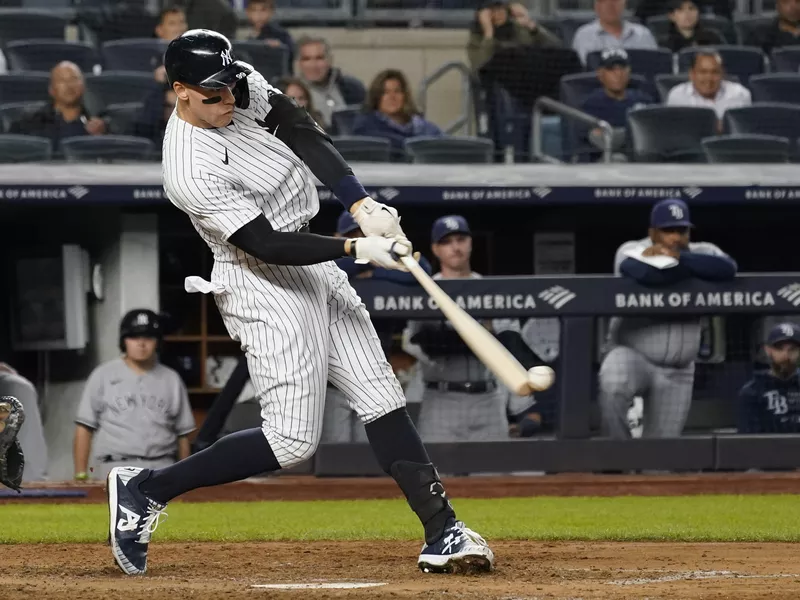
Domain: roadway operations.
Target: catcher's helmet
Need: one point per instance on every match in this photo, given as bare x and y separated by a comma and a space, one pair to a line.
139, 323
204, 58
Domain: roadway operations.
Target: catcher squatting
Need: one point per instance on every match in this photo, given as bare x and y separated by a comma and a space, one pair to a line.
236, 157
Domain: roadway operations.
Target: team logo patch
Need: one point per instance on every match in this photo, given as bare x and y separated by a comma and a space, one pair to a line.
225, 55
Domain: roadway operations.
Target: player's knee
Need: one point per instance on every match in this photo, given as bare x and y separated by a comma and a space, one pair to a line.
614, 377
293, 450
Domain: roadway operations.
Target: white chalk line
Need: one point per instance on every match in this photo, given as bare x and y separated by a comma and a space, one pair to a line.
333, 585
699, 575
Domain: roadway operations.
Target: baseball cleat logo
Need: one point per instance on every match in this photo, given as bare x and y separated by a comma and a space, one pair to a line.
791, 293
557, 296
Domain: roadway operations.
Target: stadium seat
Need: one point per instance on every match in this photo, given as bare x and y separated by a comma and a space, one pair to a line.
134, 54
664, 83
43, 55
123, 116
24, 87
659, 25
14, 110
768, 118
670, 133
746, 149
776, 87
271, 62
105, 21
22, 24
747, 25
24, 148
358, 148
342, 120
117, 87
648, 63
107, 148
744, 62
786, 60
449, 150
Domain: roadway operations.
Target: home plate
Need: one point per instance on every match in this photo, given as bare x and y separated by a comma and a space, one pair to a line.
334, 585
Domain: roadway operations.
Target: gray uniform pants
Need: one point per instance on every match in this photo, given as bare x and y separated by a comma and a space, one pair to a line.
31, 435
340, 423
667, 394
460, 417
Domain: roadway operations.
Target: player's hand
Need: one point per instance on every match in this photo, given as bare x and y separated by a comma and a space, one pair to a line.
655, 250
380, 251
95, 126
375, 218
485, 19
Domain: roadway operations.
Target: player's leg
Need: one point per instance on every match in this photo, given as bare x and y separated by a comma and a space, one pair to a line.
337, 419
669, 402
359, 368
287, 360
624, 374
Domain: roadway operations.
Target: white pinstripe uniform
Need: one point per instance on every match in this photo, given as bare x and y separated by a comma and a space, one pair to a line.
300, 326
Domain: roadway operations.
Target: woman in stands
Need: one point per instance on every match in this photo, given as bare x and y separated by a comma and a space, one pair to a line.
686, 30
297, 90
390, 112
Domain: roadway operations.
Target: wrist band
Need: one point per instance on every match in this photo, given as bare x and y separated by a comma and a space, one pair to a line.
82, 476
353, 247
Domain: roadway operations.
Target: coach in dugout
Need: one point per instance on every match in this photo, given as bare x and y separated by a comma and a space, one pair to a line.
654, 357
134, 410
770, 401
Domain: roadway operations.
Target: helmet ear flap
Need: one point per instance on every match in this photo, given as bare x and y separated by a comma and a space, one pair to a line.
241, 93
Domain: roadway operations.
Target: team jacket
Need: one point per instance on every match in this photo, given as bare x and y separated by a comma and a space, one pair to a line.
768, 404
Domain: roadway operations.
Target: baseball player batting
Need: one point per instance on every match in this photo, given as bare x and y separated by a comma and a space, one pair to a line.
235, 159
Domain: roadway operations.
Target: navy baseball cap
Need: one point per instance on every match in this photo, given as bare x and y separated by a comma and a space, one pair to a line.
670, 213
612, 57
346, 223
446, 225
784, 332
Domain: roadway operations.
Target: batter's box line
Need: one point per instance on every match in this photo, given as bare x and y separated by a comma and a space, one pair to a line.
698, 575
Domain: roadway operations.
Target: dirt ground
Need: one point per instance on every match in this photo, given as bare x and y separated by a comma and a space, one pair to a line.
525, 570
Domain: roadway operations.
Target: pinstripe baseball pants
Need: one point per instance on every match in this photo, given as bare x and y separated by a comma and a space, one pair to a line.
301, 327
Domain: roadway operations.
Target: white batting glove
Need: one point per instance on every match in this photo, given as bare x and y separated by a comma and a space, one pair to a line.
380, 251
540, 378
375, 218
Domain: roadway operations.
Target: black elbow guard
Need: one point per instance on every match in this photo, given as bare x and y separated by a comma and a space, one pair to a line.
286, 118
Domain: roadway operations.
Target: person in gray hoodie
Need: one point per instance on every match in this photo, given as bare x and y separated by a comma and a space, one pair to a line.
330, 89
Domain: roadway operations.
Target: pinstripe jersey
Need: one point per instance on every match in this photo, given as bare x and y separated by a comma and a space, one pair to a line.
667, 342
225, 177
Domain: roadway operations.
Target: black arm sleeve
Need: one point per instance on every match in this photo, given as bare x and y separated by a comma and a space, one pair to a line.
260, 240
514, 343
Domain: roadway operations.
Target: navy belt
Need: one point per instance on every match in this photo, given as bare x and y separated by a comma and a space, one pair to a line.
465, 387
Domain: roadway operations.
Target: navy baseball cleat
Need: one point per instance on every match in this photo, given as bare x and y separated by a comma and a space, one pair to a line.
132, 519
460, 550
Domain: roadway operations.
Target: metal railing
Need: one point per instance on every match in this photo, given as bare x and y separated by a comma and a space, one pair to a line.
566, 111
465, 118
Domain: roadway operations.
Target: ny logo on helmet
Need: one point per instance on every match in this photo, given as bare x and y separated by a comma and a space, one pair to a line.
226, 58
676, 211
787, 330
142, 319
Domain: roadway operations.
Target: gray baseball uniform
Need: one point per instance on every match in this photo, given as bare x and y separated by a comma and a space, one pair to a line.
651, 358
456, 416
136, 419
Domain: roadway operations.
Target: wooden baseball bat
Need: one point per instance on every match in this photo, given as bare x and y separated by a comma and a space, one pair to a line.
482, 343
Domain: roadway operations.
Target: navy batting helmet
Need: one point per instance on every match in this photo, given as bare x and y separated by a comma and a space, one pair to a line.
139, 322
204, 58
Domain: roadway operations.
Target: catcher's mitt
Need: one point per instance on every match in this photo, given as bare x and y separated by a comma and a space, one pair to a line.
12, 461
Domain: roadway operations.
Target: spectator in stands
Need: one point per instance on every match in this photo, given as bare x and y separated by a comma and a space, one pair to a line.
462, 401
500, 25
31, 434
134, 410
685, 28
171, 24
65, 115
390, 112
330, 88
612, 102
783, 31
649, 357
217, 15
706, 87
151, 122
259, 14
651, 8
770, 402
610, 30
296, 89
340, 424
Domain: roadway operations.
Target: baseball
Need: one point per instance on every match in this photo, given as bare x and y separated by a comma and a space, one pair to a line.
541, 378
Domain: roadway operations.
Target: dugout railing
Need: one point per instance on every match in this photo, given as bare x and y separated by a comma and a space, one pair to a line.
590, 300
